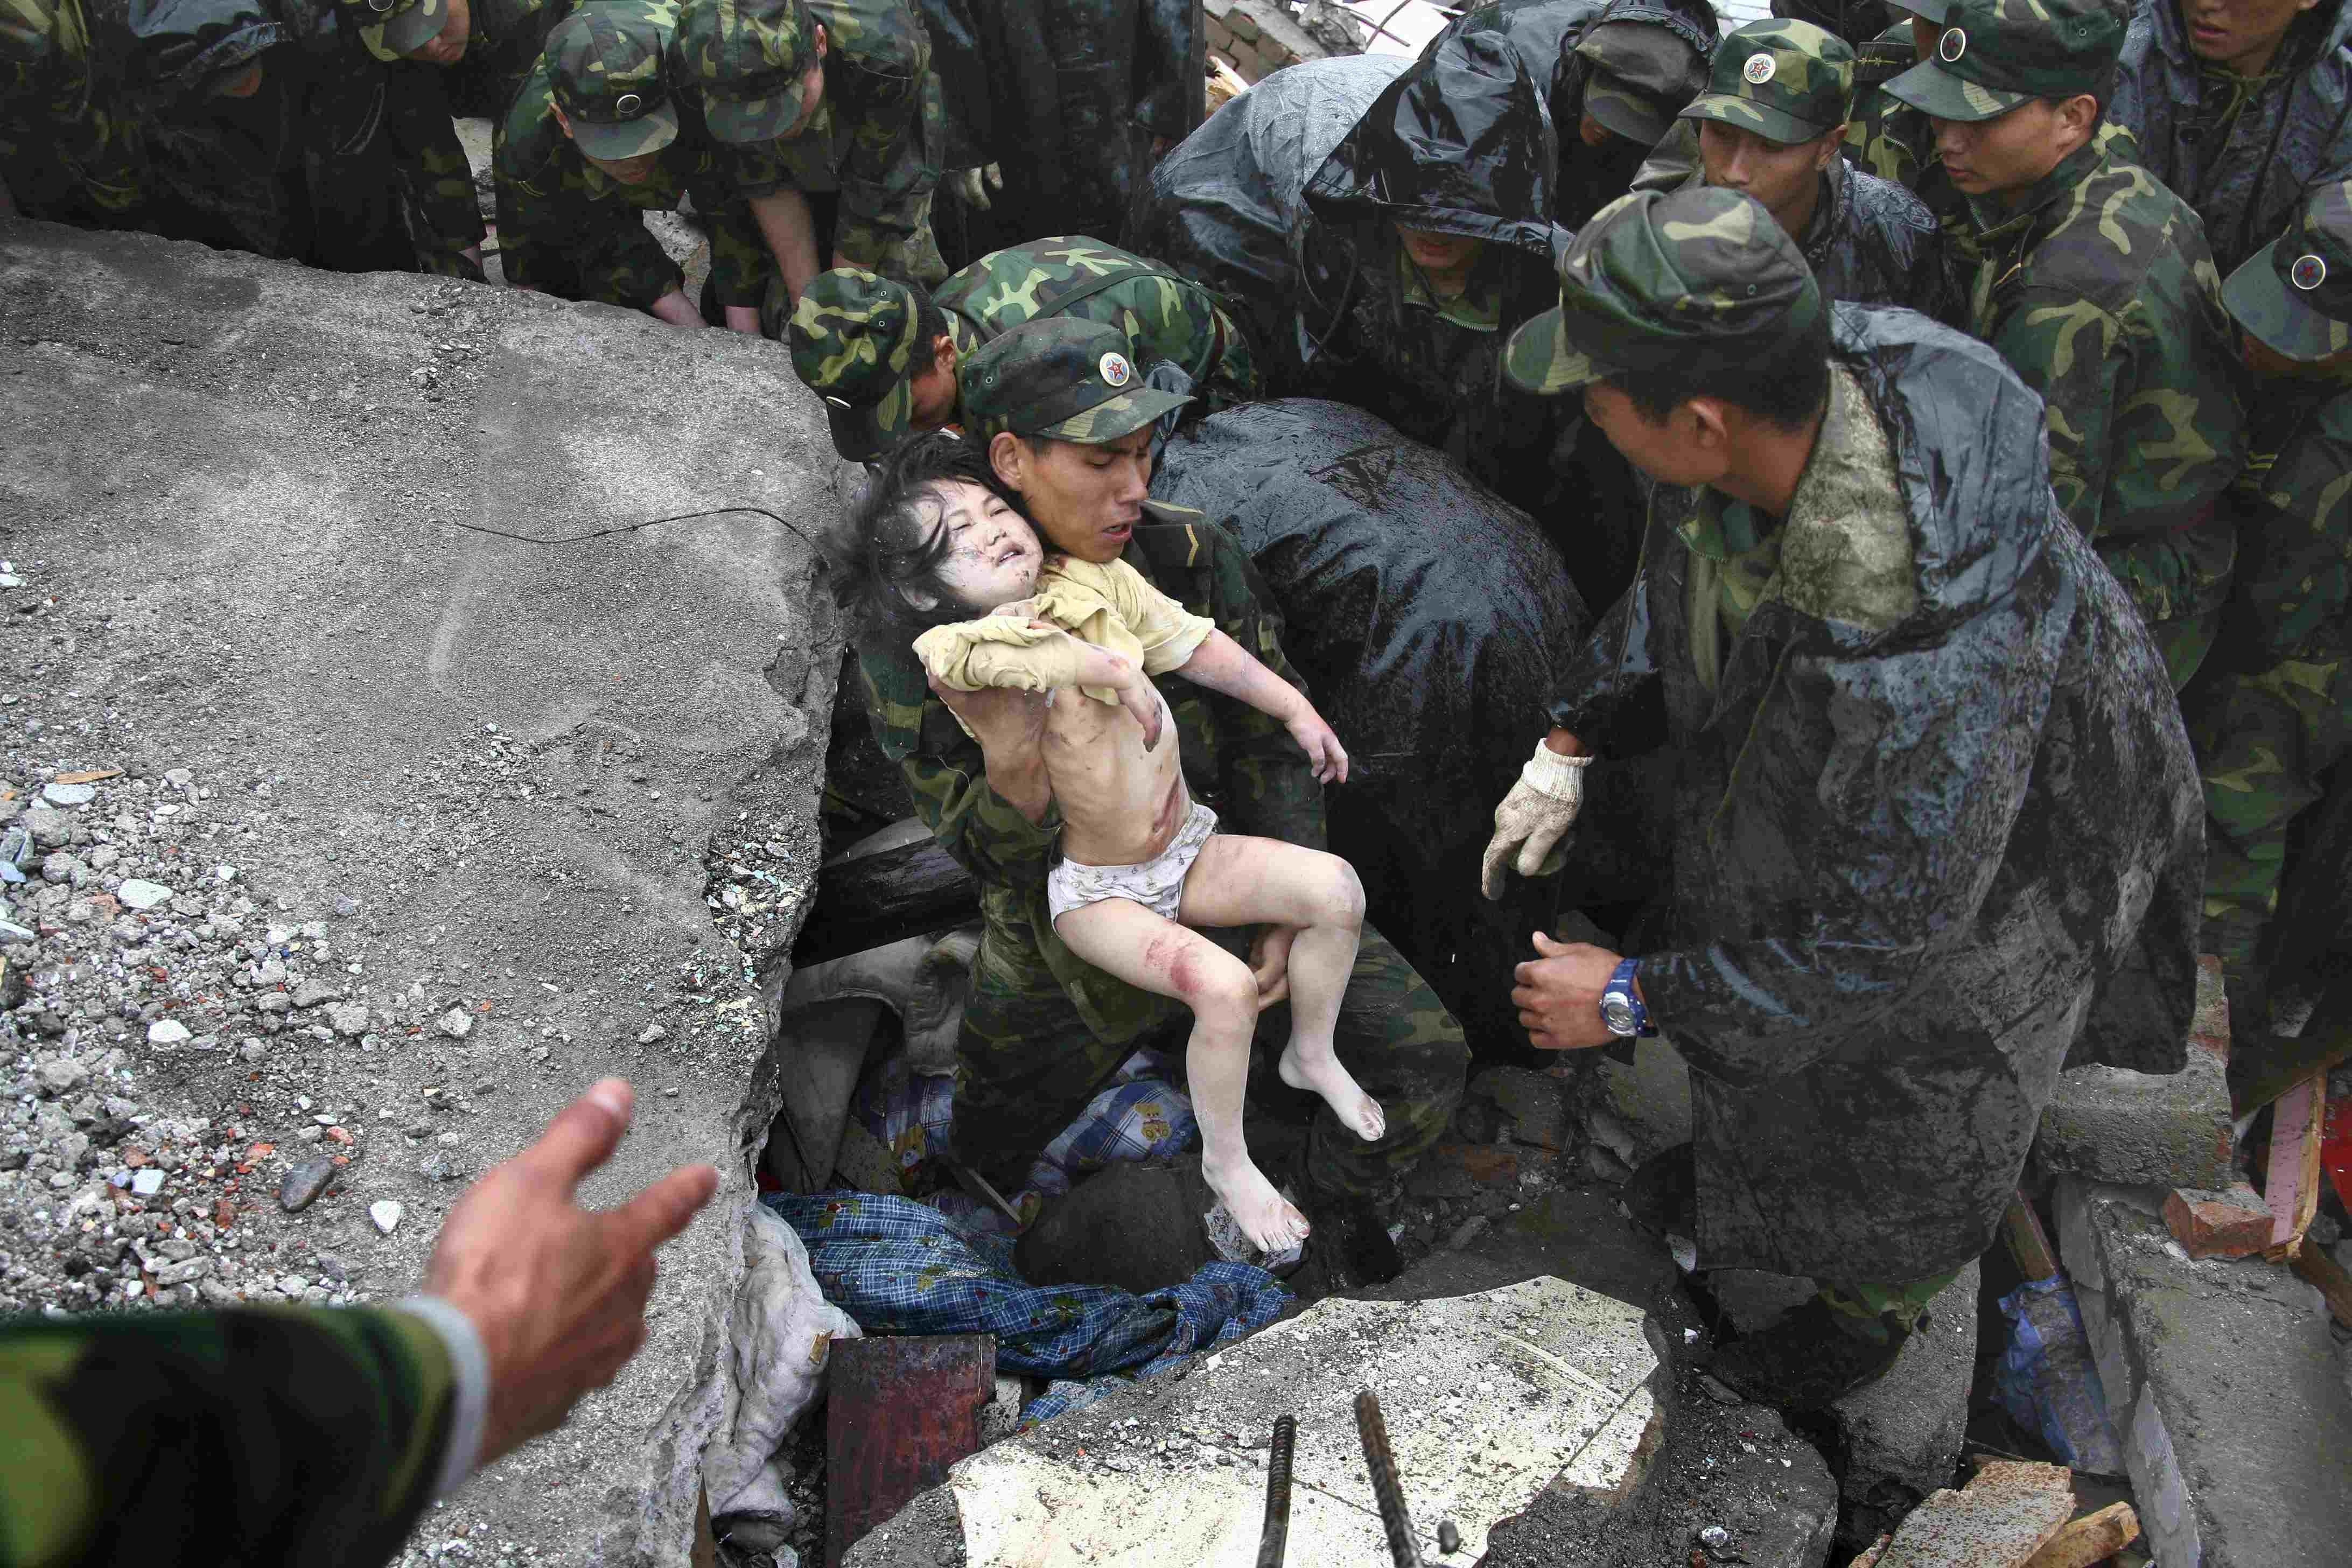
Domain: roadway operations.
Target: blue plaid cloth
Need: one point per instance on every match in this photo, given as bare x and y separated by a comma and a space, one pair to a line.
903, 1267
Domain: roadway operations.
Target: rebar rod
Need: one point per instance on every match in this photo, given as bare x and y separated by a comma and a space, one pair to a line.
1404, 1547
1276, 1539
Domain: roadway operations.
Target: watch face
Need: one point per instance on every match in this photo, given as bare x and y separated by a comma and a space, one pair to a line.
1618, 1014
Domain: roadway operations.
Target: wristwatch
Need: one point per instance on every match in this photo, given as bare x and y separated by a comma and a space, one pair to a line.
1621, 1007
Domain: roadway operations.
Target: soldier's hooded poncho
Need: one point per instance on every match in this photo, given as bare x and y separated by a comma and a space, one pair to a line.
1460, 144
2241, 152
1425, 613
308, 167
1223, 202
1937, 820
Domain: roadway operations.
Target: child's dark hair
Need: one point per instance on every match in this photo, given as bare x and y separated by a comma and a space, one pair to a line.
891, 545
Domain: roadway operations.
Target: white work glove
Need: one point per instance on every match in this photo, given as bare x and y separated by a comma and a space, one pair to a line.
972, 185
1540, 807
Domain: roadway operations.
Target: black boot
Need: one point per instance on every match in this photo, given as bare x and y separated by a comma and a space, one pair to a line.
1807, 1359
1663, 1193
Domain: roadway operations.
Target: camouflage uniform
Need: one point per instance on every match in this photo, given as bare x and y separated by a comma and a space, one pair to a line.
2272, 711
2097, 288
281, 1434
70, 147
875, 133
2239, 151
565, 226
1043, 1031
1869, 240
853, 335
1931, 789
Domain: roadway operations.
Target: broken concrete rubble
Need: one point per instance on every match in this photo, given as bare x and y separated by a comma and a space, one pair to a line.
1488, 1399
1900, 1436
2111, 1124
493, 762
2221, 1376
1999, 1520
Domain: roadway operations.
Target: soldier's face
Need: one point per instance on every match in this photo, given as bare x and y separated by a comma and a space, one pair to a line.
634, 171
2239, 34
1086, 499
1923, 35
812, 89
993, 552
448, 47
1674, 450
1440, 253
245, 84
2272, 365
1785, 178
2002, 156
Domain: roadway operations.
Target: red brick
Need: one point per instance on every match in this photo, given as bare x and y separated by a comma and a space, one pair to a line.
2218, 1225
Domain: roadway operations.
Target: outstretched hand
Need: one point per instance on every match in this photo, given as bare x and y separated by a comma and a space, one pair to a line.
1558, 995
557, 1293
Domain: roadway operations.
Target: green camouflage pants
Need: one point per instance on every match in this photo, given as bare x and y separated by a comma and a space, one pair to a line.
2263, 741
1030, 1063
1862, 1311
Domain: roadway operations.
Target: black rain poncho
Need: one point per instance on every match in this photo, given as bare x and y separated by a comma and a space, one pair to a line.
1911, 865
1224, 203
2243, 167
1426, 615
1460, 144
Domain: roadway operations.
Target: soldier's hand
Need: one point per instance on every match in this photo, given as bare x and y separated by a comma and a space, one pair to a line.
558, 1294
1269, 962
972, 185
1534, 816
1558, 995
1011, 728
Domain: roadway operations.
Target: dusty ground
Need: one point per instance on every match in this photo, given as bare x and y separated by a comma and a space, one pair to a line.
443, 819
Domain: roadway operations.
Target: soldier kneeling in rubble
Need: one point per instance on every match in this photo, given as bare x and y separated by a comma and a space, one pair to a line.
1937, 819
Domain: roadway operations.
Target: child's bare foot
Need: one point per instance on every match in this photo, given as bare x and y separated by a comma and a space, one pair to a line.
1271, 1224
1320, 1072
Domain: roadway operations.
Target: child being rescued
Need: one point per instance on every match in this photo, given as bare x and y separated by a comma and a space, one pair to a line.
936, 554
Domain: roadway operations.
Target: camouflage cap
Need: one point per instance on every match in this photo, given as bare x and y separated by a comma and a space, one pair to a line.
604, 64
853, 343
1786, 81
1640, 75
1059, 376
2295, 293
392, 28
749, 57
1691, 279
1996, 54
1935, 11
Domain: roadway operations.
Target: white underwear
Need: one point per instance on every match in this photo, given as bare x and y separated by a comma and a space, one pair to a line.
1158, 884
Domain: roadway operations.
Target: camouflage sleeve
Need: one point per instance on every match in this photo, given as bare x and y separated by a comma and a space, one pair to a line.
741, 261
1266, 785
947, 777
432, 165
282, 1435
1232, 370
889, 176
2293, 597
2082, 363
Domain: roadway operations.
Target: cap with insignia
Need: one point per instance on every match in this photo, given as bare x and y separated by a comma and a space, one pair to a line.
854, 341
1692, 278
605, 63
751, 59
1062, 377
1640, 75
2295, 293
1786, 81
392, 29
1996, 54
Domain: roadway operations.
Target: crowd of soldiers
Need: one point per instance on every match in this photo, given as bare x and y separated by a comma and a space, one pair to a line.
2121, 241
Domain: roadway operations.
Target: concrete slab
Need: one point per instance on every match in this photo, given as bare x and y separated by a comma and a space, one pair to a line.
2172, 1129
1488, 1400
1901, 1434
2221, 1376
237, 488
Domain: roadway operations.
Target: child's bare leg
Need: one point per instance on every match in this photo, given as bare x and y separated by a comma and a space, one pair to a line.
1239, 880
1164, 958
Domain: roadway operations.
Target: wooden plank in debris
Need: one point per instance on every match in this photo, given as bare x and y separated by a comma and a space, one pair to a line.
2093, 1537
899, 1412
2292, 1190
2029, 1243
2315, 1265
877, 899
2009, 1509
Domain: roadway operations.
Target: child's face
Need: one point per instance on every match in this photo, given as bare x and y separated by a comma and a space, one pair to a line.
993, 556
